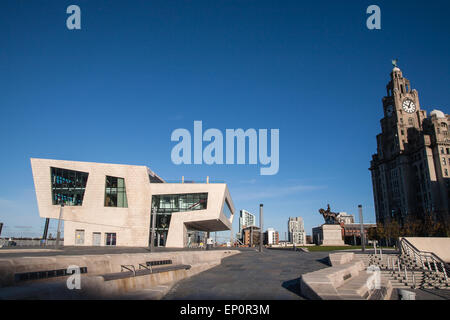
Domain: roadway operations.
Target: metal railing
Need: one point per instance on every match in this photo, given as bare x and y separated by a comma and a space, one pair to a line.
427, 260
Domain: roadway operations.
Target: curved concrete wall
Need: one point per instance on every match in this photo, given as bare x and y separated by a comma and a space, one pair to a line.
93, 284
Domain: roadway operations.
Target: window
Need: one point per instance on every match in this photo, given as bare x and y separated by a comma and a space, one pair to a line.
410, 121
79, 237
448, 151
115, 193
154, 179
226, 209
444, 162
446, 172
180, 202
96, 238
68, 186
168, 203
110, 239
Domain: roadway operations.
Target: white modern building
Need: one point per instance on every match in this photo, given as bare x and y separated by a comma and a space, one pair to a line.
246, 219
296, 230
272, 236
112, 204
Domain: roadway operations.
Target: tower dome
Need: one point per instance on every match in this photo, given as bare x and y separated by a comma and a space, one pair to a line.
438, 113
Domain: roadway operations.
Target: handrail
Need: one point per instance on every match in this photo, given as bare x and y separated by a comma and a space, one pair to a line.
129, 268
143, 266
405, 244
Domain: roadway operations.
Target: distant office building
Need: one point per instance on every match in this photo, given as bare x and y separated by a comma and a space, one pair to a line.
271, 237
309, 239
251, 236
296, 229
246, 219
344, 217
352, 232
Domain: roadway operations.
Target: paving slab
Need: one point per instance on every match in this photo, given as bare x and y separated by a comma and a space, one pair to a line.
273, 274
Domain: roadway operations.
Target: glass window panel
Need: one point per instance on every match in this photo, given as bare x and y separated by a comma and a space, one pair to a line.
115, 192
226, 209
68, 186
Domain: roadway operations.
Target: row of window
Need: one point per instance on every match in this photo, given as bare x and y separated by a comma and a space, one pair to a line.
69, 186
110, 238
169, 203
447, 150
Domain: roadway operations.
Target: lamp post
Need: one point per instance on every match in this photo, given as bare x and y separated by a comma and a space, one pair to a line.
58, 232
152, 241
260, 227
363, 242
44, 236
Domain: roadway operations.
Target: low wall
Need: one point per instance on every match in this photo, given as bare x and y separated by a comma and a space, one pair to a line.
439, 246
323, 284
93, 285
340, 258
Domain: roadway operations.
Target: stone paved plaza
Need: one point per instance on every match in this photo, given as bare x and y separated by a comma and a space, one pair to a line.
273, 274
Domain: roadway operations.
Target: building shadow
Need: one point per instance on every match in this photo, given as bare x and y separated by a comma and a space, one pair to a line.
326, 261
293, 286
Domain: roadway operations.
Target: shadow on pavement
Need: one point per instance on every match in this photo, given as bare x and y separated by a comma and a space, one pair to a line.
293, 286
325, 261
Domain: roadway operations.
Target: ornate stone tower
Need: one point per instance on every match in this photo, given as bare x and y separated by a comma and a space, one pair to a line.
408, 176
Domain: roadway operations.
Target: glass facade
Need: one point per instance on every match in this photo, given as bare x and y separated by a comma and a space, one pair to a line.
166, 204
154, 179
115, 193
226, 209
68, 186
196, 239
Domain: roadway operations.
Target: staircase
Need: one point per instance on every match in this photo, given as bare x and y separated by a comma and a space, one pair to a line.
408, 272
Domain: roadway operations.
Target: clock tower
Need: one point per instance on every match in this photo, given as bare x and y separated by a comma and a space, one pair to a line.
401, 113
411, 169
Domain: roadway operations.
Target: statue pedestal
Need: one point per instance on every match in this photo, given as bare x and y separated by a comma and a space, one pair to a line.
328, 235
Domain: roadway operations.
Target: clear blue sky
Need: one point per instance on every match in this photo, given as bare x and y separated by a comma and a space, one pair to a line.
116, 89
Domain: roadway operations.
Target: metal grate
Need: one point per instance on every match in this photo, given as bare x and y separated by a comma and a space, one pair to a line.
38, 275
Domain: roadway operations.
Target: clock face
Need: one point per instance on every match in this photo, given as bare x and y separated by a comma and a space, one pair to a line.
409, 106
390, 110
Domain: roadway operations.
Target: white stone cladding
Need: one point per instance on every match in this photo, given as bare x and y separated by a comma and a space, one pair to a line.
132, 224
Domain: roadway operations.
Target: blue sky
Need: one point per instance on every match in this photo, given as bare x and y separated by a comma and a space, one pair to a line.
137, 70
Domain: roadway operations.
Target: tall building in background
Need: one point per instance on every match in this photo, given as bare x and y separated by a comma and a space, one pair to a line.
410, 171
296, 230
246, 219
